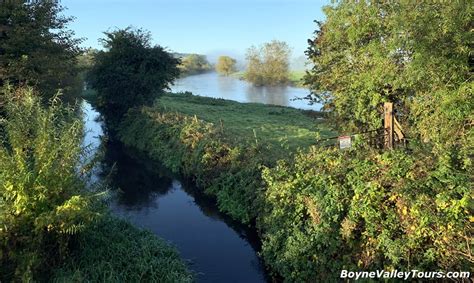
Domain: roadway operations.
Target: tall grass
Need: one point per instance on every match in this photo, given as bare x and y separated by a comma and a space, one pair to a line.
43, 201
115, 251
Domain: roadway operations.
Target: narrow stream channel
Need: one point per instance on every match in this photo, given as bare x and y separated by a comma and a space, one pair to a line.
217, 248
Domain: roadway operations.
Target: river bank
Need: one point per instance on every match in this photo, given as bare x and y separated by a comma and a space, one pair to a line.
221, 144
149, 196
295, 78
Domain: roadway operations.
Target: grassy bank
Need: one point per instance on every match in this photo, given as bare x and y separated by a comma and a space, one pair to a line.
221, 144
295, 77
113, 250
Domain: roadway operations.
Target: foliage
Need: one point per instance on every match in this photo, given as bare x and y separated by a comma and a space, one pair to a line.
225, 65
36, 49
43, 202
416, 55
362, 209
131, 72
330, 210
115, 251
207, 139
193, 64
268, 64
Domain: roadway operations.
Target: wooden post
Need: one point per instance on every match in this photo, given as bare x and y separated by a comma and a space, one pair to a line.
388, 124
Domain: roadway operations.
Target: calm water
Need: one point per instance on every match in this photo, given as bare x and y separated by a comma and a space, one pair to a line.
213, 85
217, 248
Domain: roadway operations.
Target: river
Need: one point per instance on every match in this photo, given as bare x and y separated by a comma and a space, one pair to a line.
216, 248
214, 85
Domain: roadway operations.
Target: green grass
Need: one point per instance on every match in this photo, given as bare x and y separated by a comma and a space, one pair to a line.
275, 125
295, 77
115, 251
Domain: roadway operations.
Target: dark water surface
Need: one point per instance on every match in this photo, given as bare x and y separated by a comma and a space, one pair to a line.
214, 85
217, 248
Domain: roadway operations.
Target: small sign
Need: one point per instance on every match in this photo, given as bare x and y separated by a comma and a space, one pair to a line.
344, 142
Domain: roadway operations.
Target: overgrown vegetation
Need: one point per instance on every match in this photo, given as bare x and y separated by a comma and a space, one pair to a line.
329, 210
115, 251
220, 143
43, 201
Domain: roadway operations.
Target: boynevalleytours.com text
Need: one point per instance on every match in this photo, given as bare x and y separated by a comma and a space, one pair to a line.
404, 275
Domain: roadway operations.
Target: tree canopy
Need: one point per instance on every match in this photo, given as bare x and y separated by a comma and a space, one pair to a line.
130, 72
194, 64
225, 65
268, 64
36, 48
417, 55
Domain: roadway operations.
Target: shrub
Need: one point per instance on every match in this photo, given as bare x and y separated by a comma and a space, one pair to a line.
43, 202
330, 210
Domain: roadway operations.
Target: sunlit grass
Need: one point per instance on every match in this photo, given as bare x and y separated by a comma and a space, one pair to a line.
281, 127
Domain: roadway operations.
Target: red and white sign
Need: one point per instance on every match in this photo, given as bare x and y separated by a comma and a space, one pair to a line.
344, 142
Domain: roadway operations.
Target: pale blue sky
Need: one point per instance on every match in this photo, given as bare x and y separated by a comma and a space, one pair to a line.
209, 27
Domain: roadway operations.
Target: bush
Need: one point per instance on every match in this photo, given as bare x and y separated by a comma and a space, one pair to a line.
330, 210
43, 202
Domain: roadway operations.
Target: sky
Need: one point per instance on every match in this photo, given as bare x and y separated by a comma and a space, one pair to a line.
211, 27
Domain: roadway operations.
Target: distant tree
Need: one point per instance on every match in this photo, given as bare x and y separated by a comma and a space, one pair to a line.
268, 64
36, 49
194, 64
131, 72
225, 65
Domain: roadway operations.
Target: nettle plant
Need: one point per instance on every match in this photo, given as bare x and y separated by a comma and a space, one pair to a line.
43, 200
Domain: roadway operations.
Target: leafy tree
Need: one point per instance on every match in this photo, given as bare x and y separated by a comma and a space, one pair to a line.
417, 55
36, 48
268, 64
194, 64
225, 65
131, 72
43, 201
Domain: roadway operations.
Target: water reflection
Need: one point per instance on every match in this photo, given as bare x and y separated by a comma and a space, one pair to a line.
220, 249
277, 95
213, 85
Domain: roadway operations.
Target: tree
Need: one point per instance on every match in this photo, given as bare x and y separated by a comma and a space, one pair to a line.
131, 72
268, 64
36, 49
225, 65
415, 55
194, 64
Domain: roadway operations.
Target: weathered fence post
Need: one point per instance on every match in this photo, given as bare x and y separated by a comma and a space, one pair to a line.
388, 125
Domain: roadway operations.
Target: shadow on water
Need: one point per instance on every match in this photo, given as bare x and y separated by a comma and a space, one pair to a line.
219, 248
